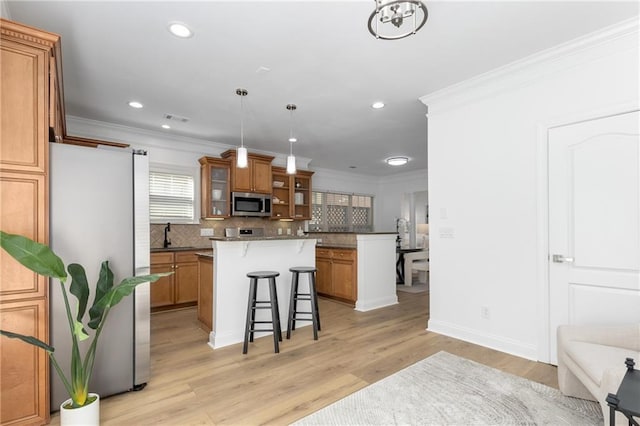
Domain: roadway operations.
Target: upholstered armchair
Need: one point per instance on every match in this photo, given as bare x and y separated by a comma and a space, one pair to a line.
591, 361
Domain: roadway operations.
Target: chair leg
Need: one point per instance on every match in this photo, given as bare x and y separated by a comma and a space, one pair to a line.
275, 315
250, 316
292, 304
314, 306
312, 282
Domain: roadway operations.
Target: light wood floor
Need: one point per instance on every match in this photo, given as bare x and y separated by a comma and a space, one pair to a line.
191, 384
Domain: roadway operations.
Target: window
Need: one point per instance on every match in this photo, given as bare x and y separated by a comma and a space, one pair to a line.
171, 197
336, 212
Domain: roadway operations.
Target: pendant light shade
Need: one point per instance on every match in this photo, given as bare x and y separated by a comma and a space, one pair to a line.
241, 161
291, 159
291, 165
242, 157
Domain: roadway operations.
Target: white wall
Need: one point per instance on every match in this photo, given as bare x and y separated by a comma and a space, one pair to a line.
390, 197
486, 173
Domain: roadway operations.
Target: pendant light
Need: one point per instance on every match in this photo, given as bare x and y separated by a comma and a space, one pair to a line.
241, 161
291, 160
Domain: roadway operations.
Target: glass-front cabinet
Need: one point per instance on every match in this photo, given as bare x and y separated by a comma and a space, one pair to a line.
215, 188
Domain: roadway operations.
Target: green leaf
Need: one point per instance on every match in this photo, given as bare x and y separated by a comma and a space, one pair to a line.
34, 256
78, 330
79, 288
116, 294
104, 285
28, 339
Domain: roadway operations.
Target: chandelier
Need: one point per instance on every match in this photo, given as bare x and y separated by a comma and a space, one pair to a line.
396, 19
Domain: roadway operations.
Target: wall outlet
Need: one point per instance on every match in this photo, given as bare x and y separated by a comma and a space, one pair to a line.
206, 232
484, 312
446, 232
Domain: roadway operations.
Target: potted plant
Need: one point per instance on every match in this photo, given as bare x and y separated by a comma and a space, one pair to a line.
42, 260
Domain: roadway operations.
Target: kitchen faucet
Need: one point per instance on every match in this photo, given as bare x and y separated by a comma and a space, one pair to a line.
166, 243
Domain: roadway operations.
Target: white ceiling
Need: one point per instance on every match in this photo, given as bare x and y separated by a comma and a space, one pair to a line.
320, 55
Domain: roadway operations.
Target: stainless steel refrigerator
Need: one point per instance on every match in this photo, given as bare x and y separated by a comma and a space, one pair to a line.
99, 210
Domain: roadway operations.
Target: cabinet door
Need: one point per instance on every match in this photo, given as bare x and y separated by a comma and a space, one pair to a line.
323, 276
162, 290
242, 178
214, 187
23, 210
186, 278
24, 107
342, 279
23, 394
261, 176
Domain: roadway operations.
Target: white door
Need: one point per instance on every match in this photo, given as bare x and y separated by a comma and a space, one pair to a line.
594, 223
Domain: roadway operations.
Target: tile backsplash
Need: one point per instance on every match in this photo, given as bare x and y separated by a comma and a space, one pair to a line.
189, 235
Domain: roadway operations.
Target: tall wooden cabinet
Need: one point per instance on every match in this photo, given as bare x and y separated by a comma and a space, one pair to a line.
215, 188
31, 109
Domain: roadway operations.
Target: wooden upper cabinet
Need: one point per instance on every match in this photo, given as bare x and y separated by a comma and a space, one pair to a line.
256, 177
215, 193
292, 199
27, 57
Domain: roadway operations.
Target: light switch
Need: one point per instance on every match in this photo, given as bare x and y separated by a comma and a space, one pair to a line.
446, 232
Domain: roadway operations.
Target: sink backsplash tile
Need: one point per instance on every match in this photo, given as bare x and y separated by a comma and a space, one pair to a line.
189, 235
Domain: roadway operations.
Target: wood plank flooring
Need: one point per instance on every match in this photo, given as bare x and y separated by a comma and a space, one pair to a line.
191, 384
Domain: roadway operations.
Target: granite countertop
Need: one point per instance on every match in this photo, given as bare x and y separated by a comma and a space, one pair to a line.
208, 254
336, 245
352, 233
168, 249
278, 237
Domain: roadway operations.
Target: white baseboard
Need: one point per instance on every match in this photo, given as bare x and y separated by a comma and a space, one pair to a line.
371, 304
500, 343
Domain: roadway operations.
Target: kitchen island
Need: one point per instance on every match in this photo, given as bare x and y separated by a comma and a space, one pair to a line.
233, 258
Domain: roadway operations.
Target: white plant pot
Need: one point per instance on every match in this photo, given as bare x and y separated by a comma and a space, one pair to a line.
89, 415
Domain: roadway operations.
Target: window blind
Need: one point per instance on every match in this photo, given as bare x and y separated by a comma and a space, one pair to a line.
171, 196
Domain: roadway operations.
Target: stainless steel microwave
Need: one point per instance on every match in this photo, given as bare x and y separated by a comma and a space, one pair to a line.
249, 204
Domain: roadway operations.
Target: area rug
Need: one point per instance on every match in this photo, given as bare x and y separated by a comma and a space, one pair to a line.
444, 389
414, 288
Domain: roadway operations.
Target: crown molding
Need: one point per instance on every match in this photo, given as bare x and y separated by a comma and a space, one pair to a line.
619, 37
139, 138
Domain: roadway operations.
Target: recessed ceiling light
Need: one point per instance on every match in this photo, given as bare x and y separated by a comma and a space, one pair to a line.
179, 29
377, 105
397, 161
135, 104
166, 126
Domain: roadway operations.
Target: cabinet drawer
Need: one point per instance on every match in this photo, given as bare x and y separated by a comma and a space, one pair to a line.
343, 254
323, 253
165, 257
186, 256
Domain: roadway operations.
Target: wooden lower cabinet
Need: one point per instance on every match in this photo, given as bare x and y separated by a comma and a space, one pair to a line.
205, 292
179, 289
24, 398
336, 275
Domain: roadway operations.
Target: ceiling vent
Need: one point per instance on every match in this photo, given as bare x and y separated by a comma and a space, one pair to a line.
174, 117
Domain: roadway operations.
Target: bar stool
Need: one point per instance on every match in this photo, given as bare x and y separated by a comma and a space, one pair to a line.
255, 304
312, 297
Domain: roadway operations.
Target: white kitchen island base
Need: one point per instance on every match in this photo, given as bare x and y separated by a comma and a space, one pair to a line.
232, 261
376, 271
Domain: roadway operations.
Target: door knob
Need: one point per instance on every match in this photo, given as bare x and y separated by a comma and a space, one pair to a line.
558, 258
